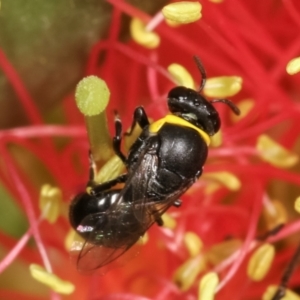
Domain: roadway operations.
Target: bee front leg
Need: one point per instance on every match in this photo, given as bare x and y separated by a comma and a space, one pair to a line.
139, 117
118, 139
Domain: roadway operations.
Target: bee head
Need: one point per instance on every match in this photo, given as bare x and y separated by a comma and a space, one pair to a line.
195, 108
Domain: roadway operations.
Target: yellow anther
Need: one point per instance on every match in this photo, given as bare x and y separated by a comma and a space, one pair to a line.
226, 178
223, 86
274, 214
169, 221
181, 75
172, 23
144, 239
216, 140
54, 282
182, 12
297, 205
71, 237
216, 1
92, 96
111, 169
88, 189
221, 251
293, 66
187, 273
207, 286
274, 153
192, 243
245, 106
260, 262
64, 209
50, 201
212, 187
272, 289
148, 39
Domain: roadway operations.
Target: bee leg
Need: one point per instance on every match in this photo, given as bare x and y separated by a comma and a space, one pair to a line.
99, 188
159, 221
139, 117
177, 203
92, 167
95, 187
118, 139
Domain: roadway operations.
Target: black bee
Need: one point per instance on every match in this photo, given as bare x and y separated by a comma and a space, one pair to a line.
165, 160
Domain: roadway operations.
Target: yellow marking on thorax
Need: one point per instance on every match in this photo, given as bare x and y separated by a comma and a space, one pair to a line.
172, 119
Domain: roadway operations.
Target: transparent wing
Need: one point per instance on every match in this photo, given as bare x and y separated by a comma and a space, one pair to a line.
152, 211
143, 205
137, 184
107, 237
89, 257
148, 207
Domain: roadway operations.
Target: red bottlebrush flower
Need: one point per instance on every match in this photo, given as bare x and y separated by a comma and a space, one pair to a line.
223, 241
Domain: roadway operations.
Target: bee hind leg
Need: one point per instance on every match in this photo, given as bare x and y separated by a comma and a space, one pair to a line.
99, 188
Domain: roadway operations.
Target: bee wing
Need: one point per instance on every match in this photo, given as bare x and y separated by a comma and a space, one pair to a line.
147, 208
136, 184
103, 231
90, 258
139, 180
143, 205
152, 211
103, 243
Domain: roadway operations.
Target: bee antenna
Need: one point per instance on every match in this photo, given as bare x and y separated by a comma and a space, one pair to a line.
202, 71
233, 107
